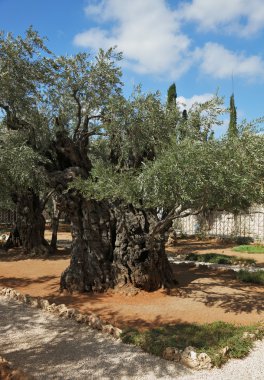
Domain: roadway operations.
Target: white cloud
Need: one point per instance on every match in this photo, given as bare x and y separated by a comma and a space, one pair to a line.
94, 38
186, 103
221, 63
244, 17
147, 32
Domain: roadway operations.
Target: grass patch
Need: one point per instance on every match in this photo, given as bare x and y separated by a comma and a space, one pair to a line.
209, 338
216, 258
251, 277
249, 248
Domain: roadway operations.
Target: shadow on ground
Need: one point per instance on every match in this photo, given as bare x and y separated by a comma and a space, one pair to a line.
16, 254
49, 348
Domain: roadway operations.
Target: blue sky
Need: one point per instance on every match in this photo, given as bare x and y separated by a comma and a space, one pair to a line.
198, 44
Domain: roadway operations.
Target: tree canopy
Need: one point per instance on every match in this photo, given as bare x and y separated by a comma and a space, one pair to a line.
70, 111
121, 167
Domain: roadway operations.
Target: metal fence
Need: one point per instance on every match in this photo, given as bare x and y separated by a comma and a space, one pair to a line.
7, 216
223, 224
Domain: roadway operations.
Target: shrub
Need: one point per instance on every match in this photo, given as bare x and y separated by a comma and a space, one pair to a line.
209, 338
244, 240
251, 277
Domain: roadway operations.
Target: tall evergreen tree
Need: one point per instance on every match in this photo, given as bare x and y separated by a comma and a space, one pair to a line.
172, 96
232, 130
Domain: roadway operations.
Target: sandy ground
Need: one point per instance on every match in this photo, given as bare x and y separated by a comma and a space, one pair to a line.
203, 295
51, 348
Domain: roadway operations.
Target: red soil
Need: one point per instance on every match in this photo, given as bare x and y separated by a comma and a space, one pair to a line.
202, 295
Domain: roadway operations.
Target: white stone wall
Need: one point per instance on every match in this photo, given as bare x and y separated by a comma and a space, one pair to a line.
224, 224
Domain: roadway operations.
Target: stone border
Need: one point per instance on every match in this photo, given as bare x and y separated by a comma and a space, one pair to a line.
226, 267
187, 357
62, 311
9, 372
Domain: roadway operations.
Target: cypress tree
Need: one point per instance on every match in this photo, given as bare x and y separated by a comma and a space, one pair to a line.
232, 129
184, 115
172, 96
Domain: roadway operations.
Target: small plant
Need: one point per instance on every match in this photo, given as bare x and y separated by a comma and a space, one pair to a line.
249, 248
251, 277
210, 338
244, 240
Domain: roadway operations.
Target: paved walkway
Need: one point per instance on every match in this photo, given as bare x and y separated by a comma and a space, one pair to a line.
51, 348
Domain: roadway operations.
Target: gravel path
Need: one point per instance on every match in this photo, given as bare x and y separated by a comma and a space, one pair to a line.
51, 348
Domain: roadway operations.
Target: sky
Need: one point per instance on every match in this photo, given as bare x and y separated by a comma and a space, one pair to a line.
204, 46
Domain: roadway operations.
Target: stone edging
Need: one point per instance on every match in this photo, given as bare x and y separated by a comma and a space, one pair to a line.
8, 372
187, 357
62, 311
234, 268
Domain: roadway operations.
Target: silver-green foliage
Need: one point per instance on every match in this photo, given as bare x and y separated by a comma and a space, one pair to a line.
223, 174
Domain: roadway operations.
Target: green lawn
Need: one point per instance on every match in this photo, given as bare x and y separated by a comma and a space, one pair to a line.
249, 248
209, 338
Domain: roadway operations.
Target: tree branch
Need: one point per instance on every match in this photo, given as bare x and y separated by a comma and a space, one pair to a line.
6, 108
79, 114
177, 213
46, 198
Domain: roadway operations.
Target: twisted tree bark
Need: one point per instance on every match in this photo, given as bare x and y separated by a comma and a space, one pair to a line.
140, 260
91, 267
31, 223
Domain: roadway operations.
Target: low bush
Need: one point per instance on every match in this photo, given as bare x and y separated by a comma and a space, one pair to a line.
210, 338
244, 240
251, 277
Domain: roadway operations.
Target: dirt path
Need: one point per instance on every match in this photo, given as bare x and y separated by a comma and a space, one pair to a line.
50, 348
203, 295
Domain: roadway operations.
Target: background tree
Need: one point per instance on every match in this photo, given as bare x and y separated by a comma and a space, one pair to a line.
232, 128
172, 96
24, 72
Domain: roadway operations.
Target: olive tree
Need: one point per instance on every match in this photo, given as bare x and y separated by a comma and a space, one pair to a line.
25, 69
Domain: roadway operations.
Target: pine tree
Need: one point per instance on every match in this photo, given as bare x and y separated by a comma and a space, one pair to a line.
232, 130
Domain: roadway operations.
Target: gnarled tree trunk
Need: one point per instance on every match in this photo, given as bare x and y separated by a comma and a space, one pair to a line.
55, 220
113, 247
112, 244
31, 223
139, 258
91, 267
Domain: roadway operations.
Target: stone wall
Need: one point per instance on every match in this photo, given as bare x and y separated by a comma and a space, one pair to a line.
225, 224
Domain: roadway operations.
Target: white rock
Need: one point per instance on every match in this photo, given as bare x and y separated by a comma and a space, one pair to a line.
189, 357
44, 304
205, 361
224, 350
172, 353
95, 322
247, 335
117, 332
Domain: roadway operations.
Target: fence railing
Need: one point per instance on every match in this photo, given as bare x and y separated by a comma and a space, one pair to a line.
7, 216
224, 224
